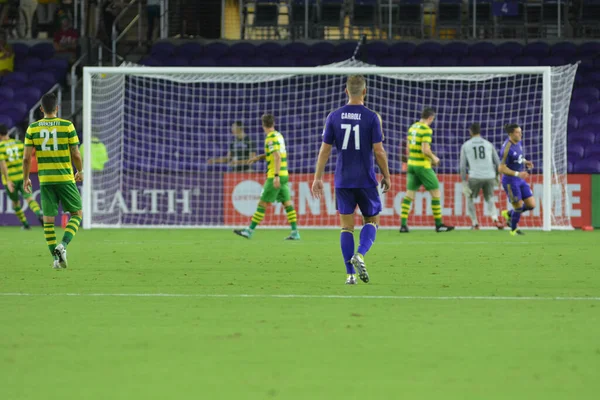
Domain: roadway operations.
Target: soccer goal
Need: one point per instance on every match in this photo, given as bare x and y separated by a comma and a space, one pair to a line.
165, 130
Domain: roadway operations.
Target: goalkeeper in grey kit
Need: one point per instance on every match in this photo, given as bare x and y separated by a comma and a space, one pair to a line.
481, 159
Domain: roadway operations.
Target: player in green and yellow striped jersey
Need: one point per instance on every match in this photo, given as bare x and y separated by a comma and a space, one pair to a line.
57, 147
420, 159
11, 166
276, 186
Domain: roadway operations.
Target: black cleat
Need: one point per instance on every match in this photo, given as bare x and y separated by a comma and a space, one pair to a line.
475, 227
404, 229
26, 228
444, 228
245, 233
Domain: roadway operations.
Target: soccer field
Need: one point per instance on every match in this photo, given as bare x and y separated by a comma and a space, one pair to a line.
203, 314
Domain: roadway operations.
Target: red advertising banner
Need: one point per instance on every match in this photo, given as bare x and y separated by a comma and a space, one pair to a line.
242, 193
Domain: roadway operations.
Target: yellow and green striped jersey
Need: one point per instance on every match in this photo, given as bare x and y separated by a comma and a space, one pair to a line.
11, 152
274, 142
52, 139
418, 134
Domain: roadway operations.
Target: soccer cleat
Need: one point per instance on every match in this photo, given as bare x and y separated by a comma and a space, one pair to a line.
56, 265
404, 229
506, 217
475, 227
61, 253
351, 280
25, 228
444, 228
243, 233
517, 232
359, 263
498, 224
293, 236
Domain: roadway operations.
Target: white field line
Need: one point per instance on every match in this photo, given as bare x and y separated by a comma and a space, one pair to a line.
302, 296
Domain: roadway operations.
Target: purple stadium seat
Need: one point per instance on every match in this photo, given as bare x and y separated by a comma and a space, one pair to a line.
472, 61
482, 49
588, 93
216, 49
525, 61
151, 62
30, 64
257, 62
390, 61
575, 153
498, 61
177, 62
594, 108
30, 95
537, 49
597, 140
417, 61
429, 49
568, 50
42, 50
587, 166
162, 49
456, 49
589, 120
230, 61
242, 50
189, 50
309, 61
378, 49
42, 80
445, 60
402, 49
346, 49
589, 49
334, 58
579, 108
296, 49
593, 151
553, 61
269, 49
573, 123
592, 78
16, 110
321, 49
21, 50
569, 167
510, 49
6, 93
283, 62
56, 64
7, 121
586, 135
203, 61
15, 79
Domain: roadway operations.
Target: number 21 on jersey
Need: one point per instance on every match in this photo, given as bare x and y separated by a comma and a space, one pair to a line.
348, 129
46, 134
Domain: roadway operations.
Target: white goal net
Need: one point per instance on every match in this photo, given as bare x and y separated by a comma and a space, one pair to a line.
168, 134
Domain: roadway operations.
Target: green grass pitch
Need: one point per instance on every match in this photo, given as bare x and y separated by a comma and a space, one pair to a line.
439, 320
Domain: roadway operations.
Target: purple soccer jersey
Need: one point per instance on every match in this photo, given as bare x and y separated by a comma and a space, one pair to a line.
512, 156
353, 129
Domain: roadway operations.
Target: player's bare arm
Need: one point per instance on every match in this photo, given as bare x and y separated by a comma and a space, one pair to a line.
382, 162
504, 170
4, 171
324, 154
426, 148
243, 162
27, 154
256, 159
220, 160
78, 162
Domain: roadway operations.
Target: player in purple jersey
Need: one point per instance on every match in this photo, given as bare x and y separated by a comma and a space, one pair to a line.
356, 133
513, 179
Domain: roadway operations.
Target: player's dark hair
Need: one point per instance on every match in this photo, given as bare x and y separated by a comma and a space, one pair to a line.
3, 130
49, 103
427, 113
510, 128
238, 124
475, 128
268, 120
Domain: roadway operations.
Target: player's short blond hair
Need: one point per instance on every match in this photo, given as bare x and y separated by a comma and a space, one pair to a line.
355, 85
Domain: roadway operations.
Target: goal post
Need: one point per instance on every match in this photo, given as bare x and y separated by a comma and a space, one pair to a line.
163, 126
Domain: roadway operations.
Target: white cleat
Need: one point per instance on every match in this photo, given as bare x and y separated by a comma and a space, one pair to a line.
61, 253
56, 265
361, 268
351, 280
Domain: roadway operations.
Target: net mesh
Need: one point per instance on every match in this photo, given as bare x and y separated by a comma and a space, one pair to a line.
165, 133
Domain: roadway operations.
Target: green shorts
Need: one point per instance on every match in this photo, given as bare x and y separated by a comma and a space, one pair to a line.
270, 194
420, 176
65, 194
14, 196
